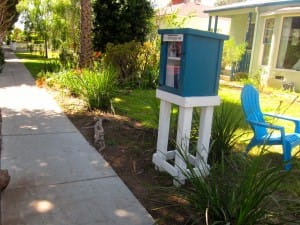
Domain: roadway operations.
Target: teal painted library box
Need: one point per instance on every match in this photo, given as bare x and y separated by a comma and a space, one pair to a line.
190, 62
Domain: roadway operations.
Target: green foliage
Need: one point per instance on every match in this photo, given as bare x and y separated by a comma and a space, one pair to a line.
97, 88
238, 191
224, 133
254, 78
172, 20
232, 53
55, 22
68, 59
239, 76
122, 21
16, 35
136, 63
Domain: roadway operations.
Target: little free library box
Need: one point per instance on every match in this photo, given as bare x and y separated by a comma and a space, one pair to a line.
190, 61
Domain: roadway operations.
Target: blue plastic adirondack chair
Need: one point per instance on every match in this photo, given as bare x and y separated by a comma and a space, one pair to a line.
264, 132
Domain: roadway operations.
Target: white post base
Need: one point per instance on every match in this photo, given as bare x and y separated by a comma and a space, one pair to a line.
175, 161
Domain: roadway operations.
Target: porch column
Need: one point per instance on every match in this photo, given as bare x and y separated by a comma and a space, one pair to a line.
216, 24
209, 23
249, 25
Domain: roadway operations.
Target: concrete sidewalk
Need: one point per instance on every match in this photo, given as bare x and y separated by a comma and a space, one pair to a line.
57, 178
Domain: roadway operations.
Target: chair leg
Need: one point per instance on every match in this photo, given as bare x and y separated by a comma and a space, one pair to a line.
287, 156
251, 145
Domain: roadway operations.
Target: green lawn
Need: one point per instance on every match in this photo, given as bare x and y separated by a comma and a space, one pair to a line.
143, 106
34, 63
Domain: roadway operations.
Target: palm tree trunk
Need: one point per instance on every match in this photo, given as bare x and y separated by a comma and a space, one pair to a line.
86, 48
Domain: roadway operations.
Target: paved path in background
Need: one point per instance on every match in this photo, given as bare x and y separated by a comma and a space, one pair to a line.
57, 178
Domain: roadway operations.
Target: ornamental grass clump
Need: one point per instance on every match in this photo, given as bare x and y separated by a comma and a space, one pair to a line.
239, 191
96, 87
225, 133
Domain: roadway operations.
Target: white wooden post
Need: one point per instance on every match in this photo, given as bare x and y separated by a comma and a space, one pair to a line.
174, 161
182, 142
205, 124
163, 130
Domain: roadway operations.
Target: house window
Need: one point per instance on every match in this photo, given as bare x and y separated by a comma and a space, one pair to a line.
269, 26
289, 49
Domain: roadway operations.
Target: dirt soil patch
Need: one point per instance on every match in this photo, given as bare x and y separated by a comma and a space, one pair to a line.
129, 150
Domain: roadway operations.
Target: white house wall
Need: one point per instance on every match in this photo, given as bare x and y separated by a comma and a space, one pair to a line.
269, 72
239, 27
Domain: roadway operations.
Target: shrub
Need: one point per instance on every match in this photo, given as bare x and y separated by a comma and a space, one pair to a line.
68, 59
66, 79
239, 76
224, 133
120, 21
232, 53
136, 63
51, 66
97, 88
255, 79
238, 191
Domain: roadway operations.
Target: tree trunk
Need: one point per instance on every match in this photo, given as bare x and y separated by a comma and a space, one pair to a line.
46, 47
86, 47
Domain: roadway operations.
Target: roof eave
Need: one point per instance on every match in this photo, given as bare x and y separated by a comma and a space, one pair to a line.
240, 7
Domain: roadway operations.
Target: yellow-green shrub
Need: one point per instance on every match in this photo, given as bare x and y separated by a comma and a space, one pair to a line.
136, 63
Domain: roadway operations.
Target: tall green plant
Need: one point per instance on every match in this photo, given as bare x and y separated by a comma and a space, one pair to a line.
136, 63
255, 79
224, 133
232, 53
98, 88
227, 120
238, 191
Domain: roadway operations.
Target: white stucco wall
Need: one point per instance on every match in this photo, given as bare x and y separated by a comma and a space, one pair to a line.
271, 70
239, 27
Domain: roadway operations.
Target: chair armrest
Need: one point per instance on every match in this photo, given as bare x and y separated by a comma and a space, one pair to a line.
266, 125
269, 126
288, 118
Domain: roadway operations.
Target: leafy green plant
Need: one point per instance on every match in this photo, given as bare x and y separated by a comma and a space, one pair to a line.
224, 133
254, 78
238, 191
239, 76
136, 63
98, 88
174, 20
68, 59
65, 80
232, 53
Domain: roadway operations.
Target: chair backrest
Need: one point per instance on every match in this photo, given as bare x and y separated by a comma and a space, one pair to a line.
252, 111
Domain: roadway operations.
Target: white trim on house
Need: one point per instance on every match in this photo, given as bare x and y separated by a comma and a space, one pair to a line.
262, 10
